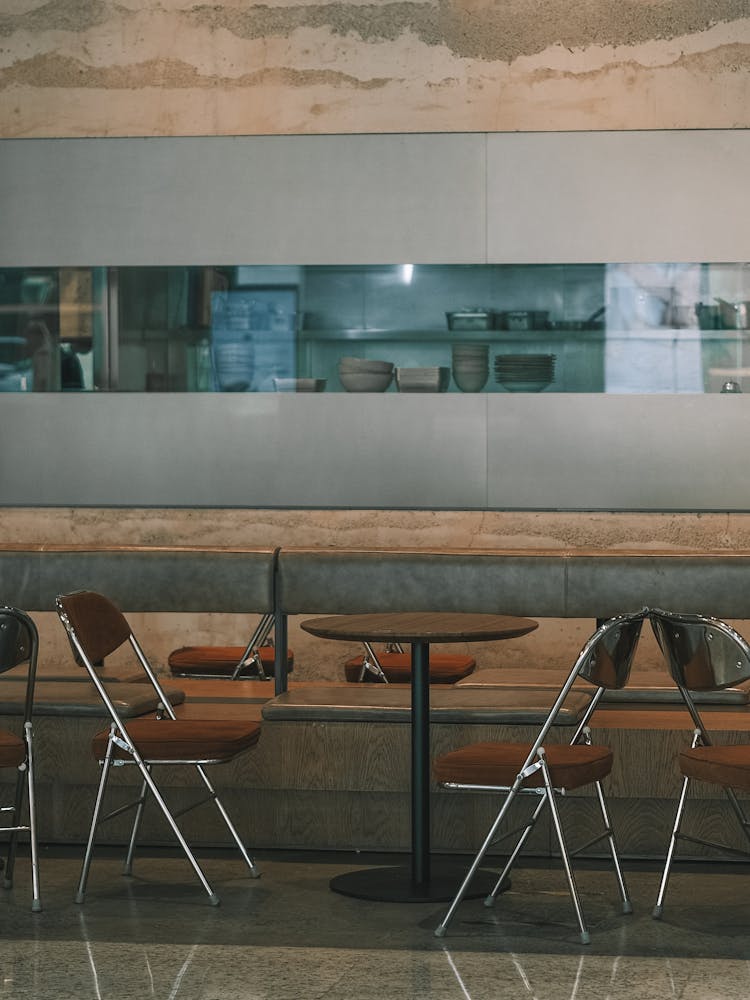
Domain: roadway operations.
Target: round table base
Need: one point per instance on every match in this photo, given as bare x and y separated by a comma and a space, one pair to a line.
395, 885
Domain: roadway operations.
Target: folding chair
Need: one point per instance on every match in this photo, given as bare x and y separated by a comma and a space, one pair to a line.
96, 629
19, 643
704, 654
549, 770
394, 666
256, 659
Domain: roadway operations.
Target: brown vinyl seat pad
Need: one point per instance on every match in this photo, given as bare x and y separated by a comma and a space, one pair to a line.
498, 764
445, 668
219, 660
12, 749
726, 766
184, 739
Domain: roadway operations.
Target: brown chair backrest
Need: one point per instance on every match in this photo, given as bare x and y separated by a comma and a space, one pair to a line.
98, 625
19, 643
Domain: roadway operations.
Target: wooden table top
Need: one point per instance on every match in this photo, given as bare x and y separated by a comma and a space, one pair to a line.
419, 626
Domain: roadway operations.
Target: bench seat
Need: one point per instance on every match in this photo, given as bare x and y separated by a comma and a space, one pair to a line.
391, 703
644, 686
75, 699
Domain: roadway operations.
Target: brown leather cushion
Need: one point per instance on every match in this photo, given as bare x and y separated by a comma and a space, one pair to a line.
12, 749
184, 739
445, 668
728, 767
499, 763
219, 661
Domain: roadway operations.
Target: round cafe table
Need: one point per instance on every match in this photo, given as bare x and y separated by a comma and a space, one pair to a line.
417, 883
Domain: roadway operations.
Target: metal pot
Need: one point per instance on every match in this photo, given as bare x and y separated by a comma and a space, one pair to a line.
709, 317
734, 315
522, 319
469, 319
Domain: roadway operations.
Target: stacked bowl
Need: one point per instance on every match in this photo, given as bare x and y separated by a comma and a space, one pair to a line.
430, 379
524, 372
471, 366
364, 375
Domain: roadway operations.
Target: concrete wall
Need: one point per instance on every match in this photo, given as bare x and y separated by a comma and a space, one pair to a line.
241, 67
176, 69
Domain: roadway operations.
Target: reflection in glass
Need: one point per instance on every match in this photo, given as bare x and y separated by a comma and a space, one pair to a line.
618, 328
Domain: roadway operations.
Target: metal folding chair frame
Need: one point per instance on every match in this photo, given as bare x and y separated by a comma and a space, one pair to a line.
738, 671
119, 737
25, 781
536, 761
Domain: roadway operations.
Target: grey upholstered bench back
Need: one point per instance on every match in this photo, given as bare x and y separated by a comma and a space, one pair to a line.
349, 581
141, 578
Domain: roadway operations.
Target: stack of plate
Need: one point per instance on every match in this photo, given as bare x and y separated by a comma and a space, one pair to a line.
524, 372
423, 379
471, 366
234, 364
364, 375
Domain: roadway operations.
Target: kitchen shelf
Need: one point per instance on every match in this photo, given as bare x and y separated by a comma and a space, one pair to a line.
444, 336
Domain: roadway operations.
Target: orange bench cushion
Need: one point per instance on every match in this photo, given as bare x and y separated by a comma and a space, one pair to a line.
445, 668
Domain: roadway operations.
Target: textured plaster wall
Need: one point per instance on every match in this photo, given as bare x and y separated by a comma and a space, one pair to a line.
138, 67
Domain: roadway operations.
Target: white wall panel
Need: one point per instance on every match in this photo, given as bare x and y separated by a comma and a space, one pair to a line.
243, 449
257, 199
516, 197
618, 196
618, 452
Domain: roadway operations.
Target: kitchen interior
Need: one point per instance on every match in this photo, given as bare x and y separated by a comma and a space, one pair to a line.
563, 327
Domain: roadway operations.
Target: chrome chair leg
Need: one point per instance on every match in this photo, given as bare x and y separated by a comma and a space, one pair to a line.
36, 903
659, 905
15, 812
490, 899
585, 936
251, 654
158, 798
372, 664
140, 807
229, 824
488, 841
627, 906
106, 765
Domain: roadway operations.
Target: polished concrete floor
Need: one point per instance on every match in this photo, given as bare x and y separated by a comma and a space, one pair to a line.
286, 935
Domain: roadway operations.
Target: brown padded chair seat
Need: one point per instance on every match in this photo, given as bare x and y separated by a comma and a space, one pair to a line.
498, 764
12, 749
726, 766
445, 668
219, 661
184, 739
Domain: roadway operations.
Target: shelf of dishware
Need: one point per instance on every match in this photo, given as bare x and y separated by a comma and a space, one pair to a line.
660, 360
